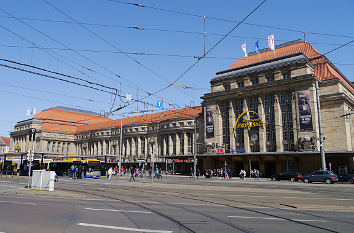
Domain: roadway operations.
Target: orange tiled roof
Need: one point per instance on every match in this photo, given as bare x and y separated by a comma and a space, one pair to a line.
324, 69
5, 140
142, 119
67, 121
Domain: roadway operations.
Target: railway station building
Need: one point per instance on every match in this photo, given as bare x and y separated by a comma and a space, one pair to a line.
263, 113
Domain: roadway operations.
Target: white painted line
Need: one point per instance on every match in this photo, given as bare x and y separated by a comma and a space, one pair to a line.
127, 211
280, 219
16, 202
308, 220
122, 228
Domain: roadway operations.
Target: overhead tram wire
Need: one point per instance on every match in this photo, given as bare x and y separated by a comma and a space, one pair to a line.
49, 54
225, 20
78, 84
85, 57
114, 46
210, 49
53, 93
147, 54
141, 28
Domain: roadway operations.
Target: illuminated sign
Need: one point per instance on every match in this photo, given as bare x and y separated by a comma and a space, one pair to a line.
257, 122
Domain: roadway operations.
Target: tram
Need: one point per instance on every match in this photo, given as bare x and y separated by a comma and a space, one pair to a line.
92, 168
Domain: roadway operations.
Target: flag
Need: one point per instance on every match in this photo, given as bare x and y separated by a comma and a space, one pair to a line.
271, 42
28, 112
257, 47
244, 49
128, 96
34, 110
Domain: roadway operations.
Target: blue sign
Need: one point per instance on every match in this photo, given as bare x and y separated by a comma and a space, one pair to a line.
159, 104
237, 150
146, 164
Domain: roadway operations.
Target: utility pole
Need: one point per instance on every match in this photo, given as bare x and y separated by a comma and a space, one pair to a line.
30, 155
323, 156
120, 146
153, 166
195, 150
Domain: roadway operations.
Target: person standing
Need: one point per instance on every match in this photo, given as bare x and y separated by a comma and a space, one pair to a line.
132, 171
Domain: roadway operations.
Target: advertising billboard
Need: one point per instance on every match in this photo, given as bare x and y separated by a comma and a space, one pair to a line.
209, 122
305, 110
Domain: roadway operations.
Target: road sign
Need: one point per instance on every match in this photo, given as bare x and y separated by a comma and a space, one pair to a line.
159, 104
29, 156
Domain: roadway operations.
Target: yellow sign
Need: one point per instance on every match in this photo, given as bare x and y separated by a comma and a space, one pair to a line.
249, 123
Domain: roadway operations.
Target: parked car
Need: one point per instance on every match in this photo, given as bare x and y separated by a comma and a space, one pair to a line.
321, 176
292, 176
346, 178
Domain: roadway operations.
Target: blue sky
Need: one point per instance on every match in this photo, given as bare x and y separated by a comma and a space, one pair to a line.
159, 41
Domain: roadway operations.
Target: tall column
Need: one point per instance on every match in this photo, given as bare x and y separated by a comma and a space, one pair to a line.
178, 151
278, 124
139, 148
103, 147
232, 120
245, 130
262, 130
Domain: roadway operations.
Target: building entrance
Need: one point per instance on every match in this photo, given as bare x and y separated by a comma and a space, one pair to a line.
269, 168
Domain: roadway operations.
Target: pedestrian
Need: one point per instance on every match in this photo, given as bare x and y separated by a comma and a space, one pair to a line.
115, 170
73, 172
110, 172
132, 174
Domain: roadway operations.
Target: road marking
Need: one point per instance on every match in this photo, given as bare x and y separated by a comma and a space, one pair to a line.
280, 219
127, 211
122, 228
197, 204
147, 202
16, 202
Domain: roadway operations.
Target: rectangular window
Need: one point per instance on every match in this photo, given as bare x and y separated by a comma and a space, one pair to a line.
136, 143
48, 146
286, 75
68, 147
181, 124
142, 139
270, 118
270, 78
107, 148
255, 81
190, 142
101, 148
58, 147
181, 143
227, 87
225, 109
174, 144
167, 141
240, 84
63, 148
174, 125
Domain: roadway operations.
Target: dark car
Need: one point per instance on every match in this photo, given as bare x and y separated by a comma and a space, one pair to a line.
292, 176
346, 178
321, 176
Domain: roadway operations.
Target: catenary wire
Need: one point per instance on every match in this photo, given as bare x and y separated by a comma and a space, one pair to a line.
141, 28
115, 47
79, 54
226, 20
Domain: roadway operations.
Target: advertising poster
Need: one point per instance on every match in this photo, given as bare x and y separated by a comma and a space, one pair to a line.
305, 110
209, 122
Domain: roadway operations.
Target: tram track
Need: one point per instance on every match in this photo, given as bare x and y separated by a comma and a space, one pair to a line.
192, 197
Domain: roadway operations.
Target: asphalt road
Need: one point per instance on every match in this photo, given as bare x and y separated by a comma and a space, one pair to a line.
176, 204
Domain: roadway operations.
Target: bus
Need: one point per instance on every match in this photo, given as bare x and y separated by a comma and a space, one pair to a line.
92, 168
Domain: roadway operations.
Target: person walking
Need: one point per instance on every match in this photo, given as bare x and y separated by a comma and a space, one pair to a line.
110, 172
132, 172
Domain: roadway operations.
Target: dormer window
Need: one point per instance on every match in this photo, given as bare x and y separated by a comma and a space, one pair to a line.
227, 86
255, 81
286, 75
270, 78
240, 84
